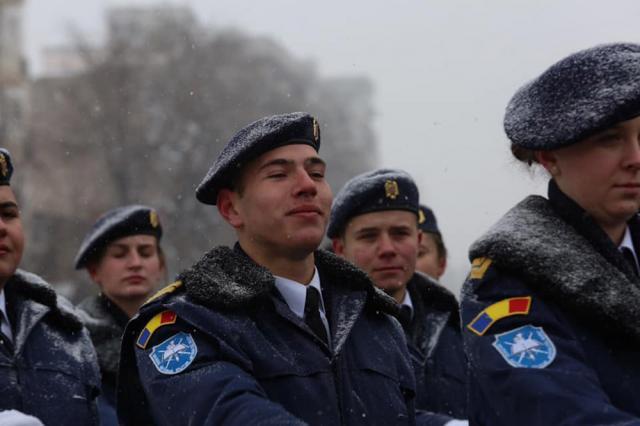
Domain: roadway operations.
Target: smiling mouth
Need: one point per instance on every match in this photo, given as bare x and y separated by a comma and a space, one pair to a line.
305, 211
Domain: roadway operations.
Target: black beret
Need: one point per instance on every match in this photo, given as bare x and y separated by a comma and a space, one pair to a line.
382, 189
582, 94
427, 220
118, 223
6, 167
254, 140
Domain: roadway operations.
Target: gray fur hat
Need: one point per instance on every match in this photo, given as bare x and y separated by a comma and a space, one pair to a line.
577, 97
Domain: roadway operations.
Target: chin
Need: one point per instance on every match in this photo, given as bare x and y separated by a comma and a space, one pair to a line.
389, 286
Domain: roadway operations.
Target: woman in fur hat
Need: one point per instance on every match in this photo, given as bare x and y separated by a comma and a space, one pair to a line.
550, 316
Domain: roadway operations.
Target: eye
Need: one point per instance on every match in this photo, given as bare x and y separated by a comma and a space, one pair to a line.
9, 213
367, 236
146, 252
276, 175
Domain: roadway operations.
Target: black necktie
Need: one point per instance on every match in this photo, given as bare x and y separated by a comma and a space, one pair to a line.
312, 314
630, 258
405, 317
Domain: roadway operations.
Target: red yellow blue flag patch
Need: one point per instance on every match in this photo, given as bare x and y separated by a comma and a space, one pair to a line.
504, 308
163, 318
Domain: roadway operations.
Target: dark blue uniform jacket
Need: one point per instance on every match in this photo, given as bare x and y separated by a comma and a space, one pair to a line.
574, 357
435, 344
105, 322
50, 371
255, 362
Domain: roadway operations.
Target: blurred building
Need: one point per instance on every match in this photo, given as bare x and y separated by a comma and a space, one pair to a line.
13, 75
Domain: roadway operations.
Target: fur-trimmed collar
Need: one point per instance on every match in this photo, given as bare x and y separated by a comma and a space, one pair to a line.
534, 243
432, 294
105, 322
227, 278
32, 288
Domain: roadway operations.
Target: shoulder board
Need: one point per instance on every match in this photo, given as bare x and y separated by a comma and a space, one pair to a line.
159, 320
479, 267
502, 309
166, 290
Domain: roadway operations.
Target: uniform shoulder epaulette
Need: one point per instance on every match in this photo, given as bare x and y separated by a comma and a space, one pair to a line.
158, 320
479, 267
502, 309
166, 290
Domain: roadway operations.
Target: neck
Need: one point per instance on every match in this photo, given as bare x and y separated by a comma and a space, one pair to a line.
398, 295
294, 266
130, 307
615, 232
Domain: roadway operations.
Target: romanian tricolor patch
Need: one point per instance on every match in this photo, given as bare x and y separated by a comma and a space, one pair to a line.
163, 318
505, 308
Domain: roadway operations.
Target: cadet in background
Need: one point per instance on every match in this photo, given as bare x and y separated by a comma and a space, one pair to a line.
122, 255
374, 224
432, 253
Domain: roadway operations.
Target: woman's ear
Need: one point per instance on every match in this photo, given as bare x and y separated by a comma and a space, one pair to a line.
549, 161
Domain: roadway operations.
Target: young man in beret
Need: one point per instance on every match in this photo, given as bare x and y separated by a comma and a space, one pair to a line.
48, 368
270, 331
432, 253
374, 224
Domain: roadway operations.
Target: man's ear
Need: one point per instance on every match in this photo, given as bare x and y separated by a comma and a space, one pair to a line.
549, 161
338, 246
442, 265
227, 203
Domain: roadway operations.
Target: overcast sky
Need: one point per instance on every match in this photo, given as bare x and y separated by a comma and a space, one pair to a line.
443, 72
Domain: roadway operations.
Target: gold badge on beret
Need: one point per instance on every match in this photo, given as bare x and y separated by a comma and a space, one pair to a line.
391, 189
421, 217
4, 169
153, 218
316, 130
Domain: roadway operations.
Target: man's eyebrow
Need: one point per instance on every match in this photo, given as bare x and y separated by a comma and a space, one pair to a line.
313, 161
276, 162
367, 229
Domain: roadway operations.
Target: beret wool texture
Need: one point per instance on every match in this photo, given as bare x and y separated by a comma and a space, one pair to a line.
117, 223
378, 190
577, 97
254, 140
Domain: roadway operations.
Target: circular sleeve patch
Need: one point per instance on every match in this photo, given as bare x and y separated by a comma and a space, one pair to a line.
526, 347
175, 354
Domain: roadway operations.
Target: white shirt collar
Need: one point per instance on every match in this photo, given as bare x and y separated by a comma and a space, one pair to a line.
407, 301
4, 319
295, 293
627, 243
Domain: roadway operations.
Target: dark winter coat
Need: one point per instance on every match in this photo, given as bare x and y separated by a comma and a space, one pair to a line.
582, 368
106, 323
258, 363
52, 372
436, 347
